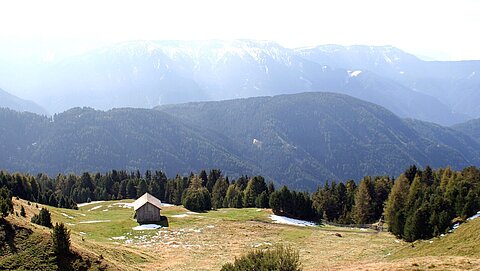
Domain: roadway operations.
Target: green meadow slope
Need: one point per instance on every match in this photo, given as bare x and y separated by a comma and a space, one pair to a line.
205, 241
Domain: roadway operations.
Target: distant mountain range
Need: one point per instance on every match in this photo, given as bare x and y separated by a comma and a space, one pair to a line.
301, 139
150, 73
471, 128
8, 100
454, 83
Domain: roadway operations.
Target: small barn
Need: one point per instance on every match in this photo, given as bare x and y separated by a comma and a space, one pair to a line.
147, 209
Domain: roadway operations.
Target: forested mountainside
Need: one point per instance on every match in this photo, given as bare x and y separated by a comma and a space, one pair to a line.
471, 128
301, 140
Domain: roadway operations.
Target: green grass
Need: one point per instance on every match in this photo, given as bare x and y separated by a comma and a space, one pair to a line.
205, 241
465, 241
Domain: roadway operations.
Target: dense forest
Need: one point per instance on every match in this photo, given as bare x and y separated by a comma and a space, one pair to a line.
419, 204
298, 140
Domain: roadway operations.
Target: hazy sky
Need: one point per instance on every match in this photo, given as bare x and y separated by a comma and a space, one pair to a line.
440, 29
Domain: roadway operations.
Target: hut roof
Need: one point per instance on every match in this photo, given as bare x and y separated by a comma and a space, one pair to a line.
147, 198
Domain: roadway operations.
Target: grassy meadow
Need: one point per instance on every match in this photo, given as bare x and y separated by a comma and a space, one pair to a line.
205, 241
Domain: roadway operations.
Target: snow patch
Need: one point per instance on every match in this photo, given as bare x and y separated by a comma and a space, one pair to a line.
167, 205
124, 204
119, 238
95, 208
181, 216
88, 203
146, 227
474, 216
69, 216
291, 221
354, 73
93, 221
257, 143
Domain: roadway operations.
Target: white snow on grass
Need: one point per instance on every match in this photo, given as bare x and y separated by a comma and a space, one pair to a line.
124, 204
146, 227
95, 208
119, 238
474, 216
182, 215
291, 221
69, 216
167, 205
193, 213
93, 221
88, 203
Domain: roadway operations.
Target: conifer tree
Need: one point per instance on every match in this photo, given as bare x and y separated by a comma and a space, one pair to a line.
6, 205
363, 209
61, 239
394, 211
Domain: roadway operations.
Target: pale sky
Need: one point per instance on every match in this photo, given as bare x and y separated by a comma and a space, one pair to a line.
439, 29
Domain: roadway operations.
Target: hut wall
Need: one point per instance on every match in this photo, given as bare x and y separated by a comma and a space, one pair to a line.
148, 213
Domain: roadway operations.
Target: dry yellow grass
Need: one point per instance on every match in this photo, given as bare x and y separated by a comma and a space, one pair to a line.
208, 240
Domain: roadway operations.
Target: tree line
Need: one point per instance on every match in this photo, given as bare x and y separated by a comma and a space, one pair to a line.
418, 204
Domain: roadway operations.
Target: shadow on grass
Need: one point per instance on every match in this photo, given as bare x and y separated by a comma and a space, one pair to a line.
8, 235
163, 222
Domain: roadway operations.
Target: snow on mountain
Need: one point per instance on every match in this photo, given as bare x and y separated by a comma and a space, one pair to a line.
151, 73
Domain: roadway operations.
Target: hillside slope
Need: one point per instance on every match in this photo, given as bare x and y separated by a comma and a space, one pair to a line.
313, 137
88, 140
471, 128
301, 140
454, 83
27, 246
150, 73
10, 101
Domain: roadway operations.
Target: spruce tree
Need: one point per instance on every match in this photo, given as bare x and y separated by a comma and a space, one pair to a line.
142, 188
6, 205
43, 218
219, 192
61, 239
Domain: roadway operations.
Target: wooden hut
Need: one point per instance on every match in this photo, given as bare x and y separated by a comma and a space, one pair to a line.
147, 209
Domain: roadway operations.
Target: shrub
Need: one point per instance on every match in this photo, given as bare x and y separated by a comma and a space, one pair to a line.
43, 218
279, 258
22, 211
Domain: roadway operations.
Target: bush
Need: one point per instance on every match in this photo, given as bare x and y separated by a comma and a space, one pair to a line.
43, 218
61, 239
22, 211
279, 258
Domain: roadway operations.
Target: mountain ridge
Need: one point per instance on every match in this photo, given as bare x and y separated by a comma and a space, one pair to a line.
13, 102
150, 73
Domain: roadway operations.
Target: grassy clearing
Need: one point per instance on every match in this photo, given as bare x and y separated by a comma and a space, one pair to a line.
205, 241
